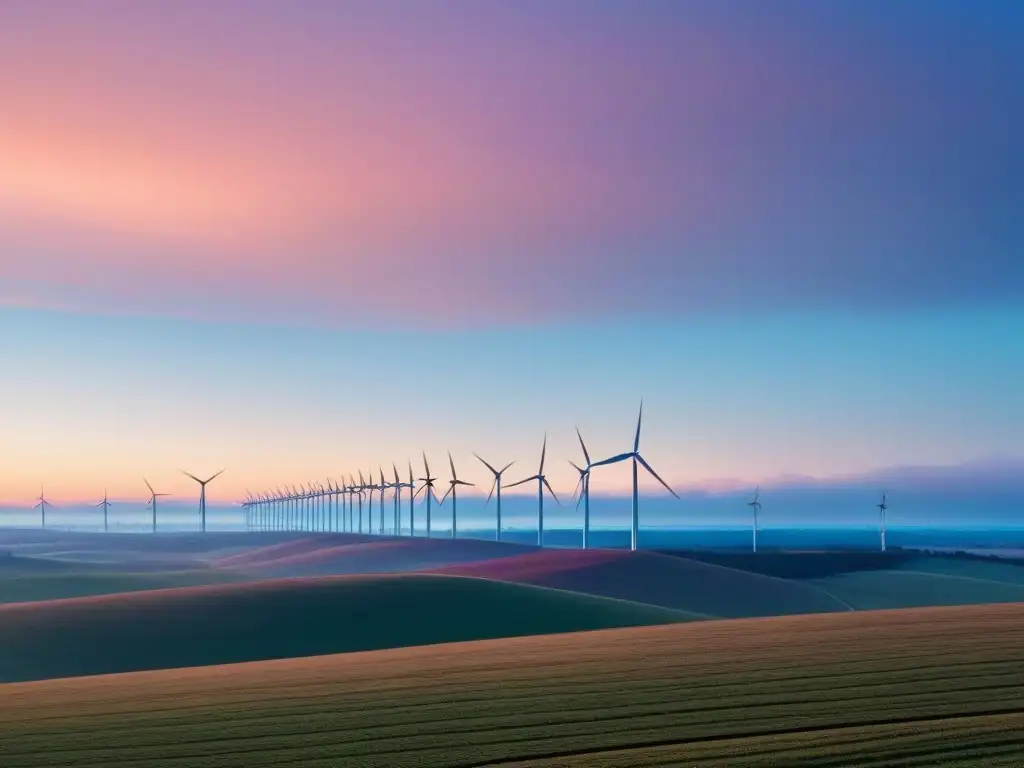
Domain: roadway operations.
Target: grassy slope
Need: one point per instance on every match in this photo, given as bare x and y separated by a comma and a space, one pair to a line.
287, 618
901, 589
975, 568
60, 585
911, 688
389, 555
671, 582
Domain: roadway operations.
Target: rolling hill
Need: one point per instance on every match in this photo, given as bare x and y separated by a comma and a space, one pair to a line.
872, 590
921, 687
284, 618
670, 582
325, 555
86, 583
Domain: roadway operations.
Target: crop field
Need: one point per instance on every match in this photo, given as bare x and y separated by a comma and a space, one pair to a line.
917, 687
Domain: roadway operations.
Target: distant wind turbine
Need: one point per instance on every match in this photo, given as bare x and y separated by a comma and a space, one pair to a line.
453, 485
106, 506
398, 486
542, 483
755, 505
637, 459
583, 490
428, 487
411, 485
41, 506
495, 486
152, 500
382, 486
882, 507
202, 493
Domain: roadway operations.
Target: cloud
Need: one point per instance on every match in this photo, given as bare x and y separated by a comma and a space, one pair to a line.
507, 163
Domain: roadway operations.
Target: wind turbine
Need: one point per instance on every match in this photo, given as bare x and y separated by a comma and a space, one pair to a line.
495, 486
755, 505
637, 459
41, 506
452, 489
152, 500
382, 486
202, 493
355, 490
411, 485
428, 486
106, 505
363, 487
583, 489
398, 486
882, 507
542, 482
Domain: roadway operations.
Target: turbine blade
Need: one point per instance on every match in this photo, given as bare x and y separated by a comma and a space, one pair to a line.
192, 476
543, 453
636, 441
656, 476
452, 463
507, 466
485, 463
612, 460
147, 484
214, 477
441, 502
425, 465
462, 482
551, 491
520, 482
583, 445
491, 492
577, 491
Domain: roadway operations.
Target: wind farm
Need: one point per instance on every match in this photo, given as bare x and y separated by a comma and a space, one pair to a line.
289, 292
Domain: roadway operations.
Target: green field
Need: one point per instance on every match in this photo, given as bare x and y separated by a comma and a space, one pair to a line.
287, 618
927, 687
84, 583
872, 590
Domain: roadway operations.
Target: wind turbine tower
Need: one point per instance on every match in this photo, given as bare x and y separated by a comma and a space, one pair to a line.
495, 486
542, 483
453, 485
428, 488
882, 507
584, 490
637, 459
106, 506
41, 506
755, 505
152, 500
202, 493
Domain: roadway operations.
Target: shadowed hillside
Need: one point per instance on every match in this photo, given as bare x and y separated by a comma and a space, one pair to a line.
671, 582
287, 618
799, 565
872, 590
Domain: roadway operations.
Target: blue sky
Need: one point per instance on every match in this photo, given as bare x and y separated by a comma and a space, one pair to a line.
297, 239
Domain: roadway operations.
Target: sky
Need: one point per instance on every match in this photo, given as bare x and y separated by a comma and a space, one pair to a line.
296, 240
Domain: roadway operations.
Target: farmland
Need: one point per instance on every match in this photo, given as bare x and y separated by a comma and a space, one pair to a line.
865, 688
